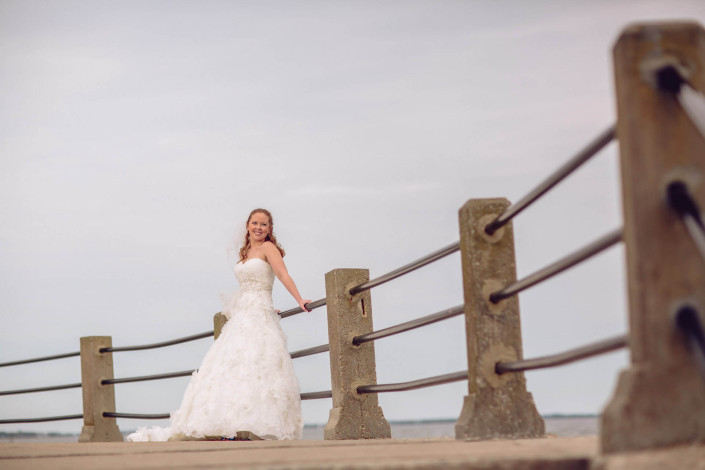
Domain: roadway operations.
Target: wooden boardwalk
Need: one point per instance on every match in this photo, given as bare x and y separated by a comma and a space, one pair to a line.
551, 453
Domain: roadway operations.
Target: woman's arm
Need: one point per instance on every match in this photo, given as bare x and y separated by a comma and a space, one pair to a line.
274, 258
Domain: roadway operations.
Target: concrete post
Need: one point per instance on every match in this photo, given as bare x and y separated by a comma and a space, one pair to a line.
97, 398
353, 416
660, 398
219, 321
497, 406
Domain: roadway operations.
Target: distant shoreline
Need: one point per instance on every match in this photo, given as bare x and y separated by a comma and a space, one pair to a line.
452, 420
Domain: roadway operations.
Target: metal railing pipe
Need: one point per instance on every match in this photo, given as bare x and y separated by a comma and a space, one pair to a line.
304, 396
316, 395
136, 415
40, 389
430, 258
559, 175
410, 325
693, 103
668, 78
295, 311
159, 345
40, 359
680, 200
414, 384
583, 352
689, 323
310, 351
186, 373
40, 420
697, 233
559, 266
145, 378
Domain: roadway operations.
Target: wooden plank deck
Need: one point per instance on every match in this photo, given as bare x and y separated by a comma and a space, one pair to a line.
550, 453
546, 454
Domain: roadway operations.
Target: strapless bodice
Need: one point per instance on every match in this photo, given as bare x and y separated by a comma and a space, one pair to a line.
255, 274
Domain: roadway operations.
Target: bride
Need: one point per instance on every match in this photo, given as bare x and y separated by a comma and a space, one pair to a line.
246, 383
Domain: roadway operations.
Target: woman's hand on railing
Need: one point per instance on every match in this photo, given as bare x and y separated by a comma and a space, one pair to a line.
303, 303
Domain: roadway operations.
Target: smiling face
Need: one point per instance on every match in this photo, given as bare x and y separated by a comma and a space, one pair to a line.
258, 227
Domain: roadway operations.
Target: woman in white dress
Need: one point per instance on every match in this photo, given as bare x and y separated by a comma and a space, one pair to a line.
246, 382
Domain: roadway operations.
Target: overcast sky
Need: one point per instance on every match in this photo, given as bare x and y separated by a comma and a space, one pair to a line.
137, 136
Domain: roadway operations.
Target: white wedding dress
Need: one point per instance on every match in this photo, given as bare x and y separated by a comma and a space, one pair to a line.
246, 381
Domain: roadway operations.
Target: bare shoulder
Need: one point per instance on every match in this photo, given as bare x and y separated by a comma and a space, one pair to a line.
270, 249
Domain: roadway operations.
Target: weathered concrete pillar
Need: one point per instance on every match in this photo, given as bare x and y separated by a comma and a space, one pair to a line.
97, 398
660, 398
497, 406
219, 321
353, 416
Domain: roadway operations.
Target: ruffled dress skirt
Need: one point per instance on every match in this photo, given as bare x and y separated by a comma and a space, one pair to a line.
246, 381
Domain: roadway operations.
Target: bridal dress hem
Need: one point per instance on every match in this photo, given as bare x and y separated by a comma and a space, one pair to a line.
246, 382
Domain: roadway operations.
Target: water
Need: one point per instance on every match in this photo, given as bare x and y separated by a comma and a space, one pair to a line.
566, 426
557, 425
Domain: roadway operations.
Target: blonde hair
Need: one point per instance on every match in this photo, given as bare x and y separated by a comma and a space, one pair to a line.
270, 236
